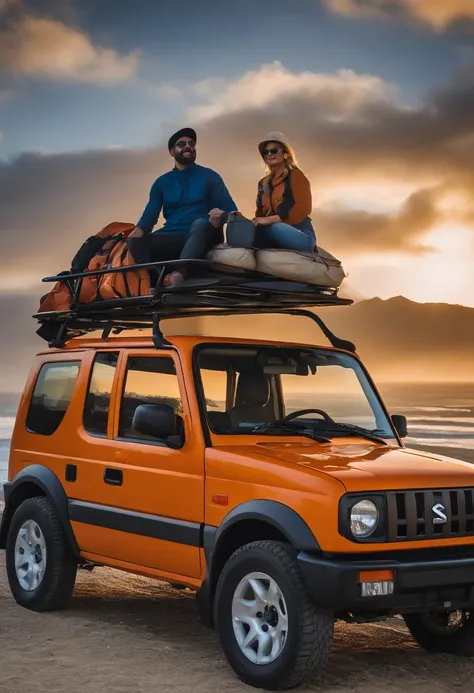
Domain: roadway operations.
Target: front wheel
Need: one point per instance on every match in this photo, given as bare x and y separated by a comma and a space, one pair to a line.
41, 567
449, 631
272, 634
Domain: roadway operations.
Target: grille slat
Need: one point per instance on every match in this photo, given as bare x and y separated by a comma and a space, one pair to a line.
430, 514
392, 513
462, 512
412, 519
429, 502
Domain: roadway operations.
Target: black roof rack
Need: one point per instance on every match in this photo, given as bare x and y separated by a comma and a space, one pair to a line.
212, 291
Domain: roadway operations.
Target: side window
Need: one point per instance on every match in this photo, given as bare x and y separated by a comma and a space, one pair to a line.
214, 383
51, 396
148, 380
96, 408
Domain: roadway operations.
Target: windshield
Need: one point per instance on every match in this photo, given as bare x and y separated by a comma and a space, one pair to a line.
293, 391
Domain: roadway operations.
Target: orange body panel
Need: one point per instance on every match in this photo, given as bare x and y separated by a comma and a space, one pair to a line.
309, 477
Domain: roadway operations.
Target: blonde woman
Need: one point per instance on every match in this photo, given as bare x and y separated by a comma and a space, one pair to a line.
283, 199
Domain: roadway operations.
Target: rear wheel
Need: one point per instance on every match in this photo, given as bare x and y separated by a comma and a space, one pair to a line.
447, 631
272, 634
41, 567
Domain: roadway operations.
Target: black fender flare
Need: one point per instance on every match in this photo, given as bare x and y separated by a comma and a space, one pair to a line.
278, 515
282, 517
50, 486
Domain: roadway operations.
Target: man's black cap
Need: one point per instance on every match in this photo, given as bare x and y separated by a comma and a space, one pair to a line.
184, 132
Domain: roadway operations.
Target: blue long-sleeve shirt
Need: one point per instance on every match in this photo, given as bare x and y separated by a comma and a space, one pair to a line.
184, 196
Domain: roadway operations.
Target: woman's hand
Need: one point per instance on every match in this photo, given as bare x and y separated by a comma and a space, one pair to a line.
263, 221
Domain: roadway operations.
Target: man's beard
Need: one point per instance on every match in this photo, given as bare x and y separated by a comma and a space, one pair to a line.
190, 157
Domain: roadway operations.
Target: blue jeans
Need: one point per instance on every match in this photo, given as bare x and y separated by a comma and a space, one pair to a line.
280, 235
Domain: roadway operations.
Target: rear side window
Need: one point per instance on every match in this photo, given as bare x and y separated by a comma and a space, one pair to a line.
51, 396
97, 405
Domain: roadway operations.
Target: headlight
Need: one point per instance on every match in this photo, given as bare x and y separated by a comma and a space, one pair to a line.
364, 518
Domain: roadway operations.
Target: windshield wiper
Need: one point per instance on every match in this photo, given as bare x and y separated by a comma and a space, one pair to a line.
353, 428
288, 427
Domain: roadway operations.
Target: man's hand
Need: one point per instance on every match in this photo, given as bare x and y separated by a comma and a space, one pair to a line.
136, 233
215, 216
216, 212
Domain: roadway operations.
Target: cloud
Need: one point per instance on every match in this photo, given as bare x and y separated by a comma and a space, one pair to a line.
19, 342
6, 94
343, 136
344, 91
347, 130
166, 91
437, 14
69, 197
355, 232
46, 48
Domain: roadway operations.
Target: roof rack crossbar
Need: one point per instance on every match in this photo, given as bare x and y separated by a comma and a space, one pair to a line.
160, 341
158, 337
217, 293
162, 264
333, 339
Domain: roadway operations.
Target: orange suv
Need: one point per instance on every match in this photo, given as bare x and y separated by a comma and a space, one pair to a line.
266, 476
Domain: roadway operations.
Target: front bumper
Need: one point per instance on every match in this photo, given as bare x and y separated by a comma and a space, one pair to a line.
419, 585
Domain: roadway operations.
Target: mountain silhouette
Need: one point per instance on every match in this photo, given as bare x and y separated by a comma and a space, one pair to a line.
402, 339
397, 339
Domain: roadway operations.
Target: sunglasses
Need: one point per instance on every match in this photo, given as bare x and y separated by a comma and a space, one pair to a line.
274, 150
182, 143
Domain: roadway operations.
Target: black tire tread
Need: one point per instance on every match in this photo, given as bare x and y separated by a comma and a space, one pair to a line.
459, 643
62, 565
317, 624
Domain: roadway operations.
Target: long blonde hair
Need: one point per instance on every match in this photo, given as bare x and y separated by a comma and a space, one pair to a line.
290, 163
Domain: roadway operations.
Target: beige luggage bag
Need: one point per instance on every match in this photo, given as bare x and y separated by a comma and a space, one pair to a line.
320, 269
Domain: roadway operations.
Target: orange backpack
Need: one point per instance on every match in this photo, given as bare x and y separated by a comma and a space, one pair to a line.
123, 284
59, 298
108, 248
113, 253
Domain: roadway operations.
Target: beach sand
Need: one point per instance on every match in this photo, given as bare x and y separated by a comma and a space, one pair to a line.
124, 633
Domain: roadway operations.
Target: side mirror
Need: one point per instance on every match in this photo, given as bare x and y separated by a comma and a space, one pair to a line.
400, 423
157, 420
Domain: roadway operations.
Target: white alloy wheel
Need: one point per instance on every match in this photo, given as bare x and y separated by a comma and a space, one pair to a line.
30, 556
260, 618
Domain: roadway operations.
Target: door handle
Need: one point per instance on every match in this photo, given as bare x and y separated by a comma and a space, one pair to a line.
112, 476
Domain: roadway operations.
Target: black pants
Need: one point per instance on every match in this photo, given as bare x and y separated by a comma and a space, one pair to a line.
171, 245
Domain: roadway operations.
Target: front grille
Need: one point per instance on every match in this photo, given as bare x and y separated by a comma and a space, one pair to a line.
433, 514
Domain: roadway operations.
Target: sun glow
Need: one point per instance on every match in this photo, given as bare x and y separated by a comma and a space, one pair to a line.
442, 275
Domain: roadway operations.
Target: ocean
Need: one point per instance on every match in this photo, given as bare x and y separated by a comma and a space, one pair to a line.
440, 418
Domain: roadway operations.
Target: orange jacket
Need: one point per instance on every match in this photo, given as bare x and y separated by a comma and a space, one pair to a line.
289, 196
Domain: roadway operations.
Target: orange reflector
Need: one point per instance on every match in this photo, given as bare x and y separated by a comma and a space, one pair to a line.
376, 576
221, 499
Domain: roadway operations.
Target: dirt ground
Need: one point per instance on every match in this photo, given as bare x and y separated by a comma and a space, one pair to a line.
127, 633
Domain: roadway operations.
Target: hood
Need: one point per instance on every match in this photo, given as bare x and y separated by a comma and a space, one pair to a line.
368, 467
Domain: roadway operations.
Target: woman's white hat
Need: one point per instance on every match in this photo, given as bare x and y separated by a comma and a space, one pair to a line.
273, 137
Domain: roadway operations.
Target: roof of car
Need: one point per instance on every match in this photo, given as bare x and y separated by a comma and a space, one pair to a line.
181, 342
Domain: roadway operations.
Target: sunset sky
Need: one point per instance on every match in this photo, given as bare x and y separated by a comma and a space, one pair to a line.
377, 97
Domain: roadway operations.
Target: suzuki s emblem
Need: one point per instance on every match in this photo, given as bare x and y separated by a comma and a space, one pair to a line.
439, 512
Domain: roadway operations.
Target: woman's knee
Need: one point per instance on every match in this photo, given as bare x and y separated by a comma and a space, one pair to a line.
287, 236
